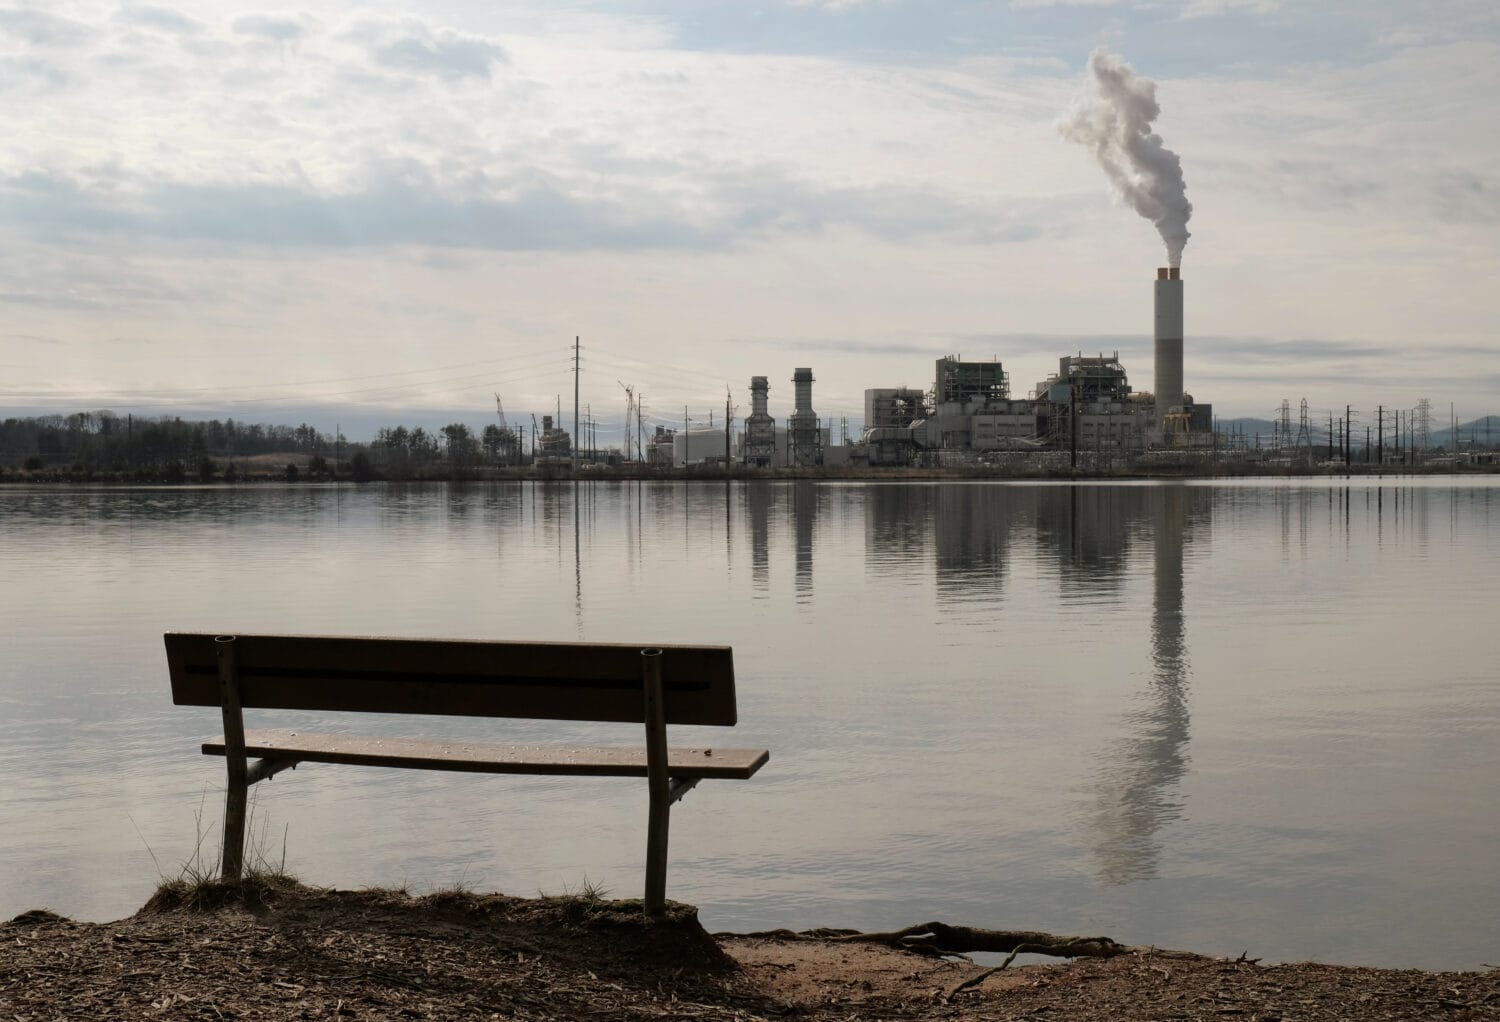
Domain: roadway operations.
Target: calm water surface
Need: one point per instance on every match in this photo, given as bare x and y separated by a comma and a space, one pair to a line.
1252, 716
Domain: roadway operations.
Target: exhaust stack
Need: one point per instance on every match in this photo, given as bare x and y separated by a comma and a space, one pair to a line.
802, 427
1168, 342
760, 428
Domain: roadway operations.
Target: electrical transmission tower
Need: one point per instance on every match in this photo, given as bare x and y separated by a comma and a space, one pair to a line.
1304, 434
1422, 426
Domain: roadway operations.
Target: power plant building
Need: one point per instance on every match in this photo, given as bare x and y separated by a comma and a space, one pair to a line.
969, 415
972, 410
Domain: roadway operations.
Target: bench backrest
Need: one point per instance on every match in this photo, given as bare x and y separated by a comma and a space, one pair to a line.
552, 680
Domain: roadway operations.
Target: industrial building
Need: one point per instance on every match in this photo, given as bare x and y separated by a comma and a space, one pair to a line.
969, 415
1088, 405
555, 444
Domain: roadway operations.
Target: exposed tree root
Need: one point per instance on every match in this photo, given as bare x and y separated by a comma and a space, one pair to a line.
942, 940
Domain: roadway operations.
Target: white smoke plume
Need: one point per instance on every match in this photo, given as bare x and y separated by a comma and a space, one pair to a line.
1115, 122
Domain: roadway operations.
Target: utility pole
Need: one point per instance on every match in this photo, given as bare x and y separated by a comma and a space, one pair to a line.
1349, 416
576, 365
1073, 421
726, 427
640, 403
1380, 435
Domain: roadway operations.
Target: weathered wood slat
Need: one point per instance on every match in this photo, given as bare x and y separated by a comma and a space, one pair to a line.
552, 681
477, 757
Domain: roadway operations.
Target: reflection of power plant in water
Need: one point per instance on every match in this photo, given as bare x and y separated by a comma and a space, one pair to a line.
805, 498
971, 536
758, 510
1138, 785
1086, 528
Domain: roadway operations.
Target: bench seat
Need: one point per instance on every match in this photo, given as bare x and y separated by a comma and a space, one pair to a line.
481, 757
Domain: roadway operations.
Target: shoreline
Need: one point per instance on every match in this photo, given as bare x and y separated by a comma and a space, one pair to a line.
278, 950
254, 475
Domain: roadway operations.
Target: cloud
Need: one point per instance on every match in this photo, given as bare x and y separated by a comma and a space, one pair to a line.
50, 300
401, 205
162, 19
41, 28
762, 201
1464, 197
404, 203
839, 5
16, 71
1021, 4
447, 54
274, 28
1219, 8
1294, 354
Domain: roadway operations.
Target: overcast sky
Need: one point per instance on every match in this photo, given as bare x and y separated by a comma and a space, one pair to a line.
333, 206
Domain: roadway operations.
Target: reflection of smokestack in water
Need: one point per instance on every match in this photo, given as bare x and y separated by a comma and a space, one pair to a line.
1140, 791
1168, 342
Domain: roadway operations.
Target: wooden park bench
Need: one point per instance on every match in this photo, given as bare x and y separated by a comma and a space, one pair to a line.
552, 681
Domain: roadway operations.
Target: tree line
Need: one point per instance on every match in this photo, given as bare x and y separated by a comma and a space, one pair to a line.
169, 447
105, 440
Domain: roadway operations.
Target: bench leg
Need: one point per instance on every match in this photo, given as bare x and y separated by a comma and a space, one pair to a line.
656, 853
237, 790
657, 782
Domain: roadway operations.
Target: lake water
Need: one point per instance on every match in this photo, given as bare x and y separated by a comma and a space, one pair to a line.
1252, 716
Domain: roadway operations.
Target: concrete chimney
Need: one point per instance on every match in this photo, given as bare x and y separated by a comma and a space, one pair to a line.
760, 429
1168, 342
759, 387
802, 381
802, 428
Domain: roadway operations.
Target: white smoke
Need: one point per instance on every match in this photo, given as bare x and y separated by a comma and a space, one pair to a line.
1115, 123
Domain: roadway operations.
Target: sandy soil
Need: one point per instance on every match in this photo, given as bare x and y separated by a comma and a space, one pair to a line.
295, 953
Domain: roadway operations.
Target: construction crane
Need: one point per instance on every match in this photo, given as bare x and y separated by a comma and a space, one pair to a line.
509, 443
729, 410
629, 406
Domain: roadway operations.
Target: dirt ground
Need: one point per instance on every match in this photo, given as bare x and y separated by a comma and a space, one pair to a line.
288, 952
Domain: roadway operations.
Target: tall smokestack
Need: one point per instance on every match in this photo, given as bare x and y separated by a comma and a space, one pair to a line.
759, 386
802, 381
802, 427
760, 428
1168, 342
